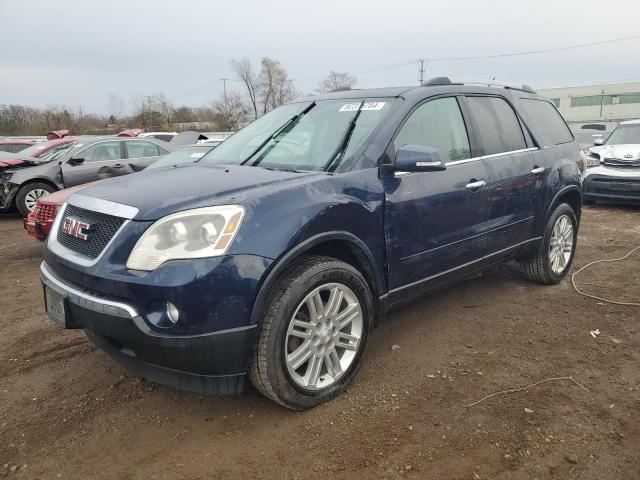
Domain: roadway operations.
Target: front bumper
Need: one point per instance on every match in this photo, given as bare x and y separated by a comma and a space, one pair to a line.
612, 183
37, 228
214, 362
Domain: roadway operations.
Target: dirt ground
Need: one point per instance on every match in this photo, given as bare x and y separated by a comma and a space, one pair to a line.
68, 411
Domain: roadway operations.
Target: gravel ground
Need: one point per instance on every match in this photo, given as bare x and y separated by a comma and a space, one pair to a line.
68, 411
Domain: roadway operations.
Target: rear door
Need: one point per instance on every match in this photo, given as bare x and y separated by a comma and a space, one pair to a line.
514, 177
141, 153
434, 220
95, 162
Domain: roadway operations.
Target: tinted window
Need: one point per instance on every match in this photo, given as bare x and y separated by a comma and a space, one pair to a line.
140, 148
101, 152
546, 118
498, 125
5, 147
437, 124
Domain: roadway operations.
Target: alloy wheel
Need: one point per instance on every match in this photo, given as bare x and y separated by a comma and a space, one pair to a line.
561, 244
323, 336
32, 197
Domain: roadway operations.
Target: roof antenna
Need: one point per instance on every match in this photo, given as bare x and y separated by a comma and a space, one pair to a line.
490, 81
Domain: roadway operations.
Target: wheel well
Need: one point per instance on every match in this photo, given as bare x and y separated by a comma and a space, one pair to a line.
349, 253
34, 180
573, 199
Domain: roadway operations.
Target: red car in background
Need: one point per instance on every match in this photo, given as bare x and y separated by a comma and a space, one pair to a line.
15, 146
38, 222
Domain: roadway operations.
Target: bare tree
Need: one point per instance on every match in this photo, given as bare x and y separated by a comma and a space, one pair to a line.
275, 86
115, 106
335, 81
251, 81
229, 111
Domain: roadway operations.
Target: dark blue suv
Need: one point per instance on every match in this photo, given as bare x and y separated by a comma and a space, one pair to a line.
276, 254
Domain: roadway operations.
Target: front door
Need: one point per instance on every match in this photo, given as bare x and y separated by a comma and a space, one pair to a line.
96, 162
434, 220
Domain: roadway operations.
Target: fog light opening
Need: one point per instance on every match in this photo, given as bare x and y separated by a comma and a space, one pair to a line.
172, 312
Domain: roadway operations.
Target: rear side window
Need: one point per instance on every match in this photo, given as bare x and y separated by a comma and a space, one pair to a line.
140, 149
437, 124
498, 126
544, 116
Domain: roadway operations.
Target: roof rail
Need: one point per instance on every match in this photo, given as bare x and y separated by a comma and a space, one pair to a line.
489, 83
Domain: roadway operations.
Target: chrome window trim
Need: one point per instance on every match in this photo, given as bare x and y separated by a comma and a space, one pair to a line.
84, 299
56, 247
493, 155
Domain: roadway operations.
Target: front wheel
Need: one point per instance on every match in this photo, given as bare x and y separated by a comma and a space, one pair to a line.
27, 196
314, 332
551, 262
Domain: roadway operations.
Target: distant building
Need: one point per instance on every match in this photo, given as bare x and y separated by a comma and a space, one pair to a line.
606, 103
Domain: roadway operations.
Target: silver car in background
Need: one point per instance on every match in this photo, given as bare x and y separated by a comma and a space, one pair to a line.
613, 166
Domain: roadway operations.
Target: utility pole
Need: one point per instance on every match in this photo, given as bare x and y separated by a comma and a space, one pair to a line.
224, 89
422, 61
148, 115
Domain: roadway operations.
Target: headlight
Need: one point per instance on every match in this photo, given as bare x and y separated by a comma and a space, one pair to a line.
5, 177
592, 159
197, 233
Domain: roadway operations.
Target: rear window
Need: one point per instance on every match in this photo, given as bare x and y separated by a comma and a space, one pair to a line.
498, 125
547, 120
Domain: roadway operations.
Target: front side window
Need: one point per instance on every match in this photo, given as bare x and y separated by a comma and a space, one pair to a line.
498, 126
437, 124
140, 149
101, 152
305, 136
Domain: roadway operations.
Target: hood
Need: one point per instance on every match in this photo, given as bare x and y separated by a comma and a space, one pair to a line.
620, 155
159, 192
11, 161
61, 196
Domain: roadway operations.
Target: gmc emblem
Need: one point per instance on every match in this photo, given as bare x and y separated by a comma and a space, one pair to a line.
75, 227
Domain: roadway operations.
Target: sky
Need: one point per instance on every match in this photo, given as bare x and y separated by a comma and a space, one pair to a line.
77, 52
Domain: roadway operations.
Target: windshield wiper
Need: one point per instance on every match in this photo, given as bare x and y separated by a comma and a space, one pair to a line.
342, 146
289, 123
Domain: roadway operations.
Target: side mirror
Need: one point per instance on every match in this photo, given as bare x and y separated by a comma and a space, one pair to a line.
416, 158
76, 161
598, 141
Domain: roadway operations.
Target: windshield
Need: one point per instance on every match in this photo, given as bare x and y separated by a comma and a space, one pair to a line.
33, 149
625, 135
304, 136
55, 153
180, 156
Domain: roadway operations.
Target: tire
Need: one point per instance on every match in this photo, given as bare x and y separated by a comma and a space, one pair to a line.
273, 368
550, 267
27, 196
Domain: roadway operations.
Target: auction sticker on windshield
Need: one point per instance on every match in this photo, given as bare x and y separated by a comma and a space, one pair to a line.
352, 107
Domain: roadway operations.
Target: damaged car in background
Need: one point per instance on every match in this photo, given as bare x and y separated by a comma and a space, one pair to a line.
613, 166
23, 182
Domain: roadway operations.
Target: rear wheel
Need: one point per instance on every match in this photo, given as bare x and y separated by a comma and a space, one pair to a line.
28, 195
315, 329
551, 262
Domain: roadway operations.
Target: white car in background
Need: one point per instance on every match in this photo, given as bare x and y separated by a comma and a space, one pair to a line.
613, 166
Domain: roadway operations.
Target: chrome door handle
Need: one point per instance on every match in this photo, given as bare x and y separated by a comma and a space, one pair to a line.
476, 185
538, 170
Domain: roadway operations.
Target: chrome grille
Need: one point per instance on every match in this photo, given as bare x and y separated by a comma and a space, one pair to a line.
102, 229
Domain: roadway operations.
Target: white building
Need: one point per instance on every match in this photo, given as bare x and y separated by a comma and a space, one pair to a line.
607, 103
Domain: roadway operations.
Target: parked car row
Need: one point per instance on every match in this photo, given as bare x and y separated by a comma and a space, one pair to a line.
39, 221
274, 255
62, 162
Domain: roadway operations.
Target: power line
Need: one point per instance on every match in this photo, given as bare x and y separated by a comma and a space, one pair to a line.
535, 52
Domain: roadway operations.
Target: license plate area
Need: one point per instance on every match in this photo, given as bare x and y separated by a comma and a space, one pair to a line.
56, 306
